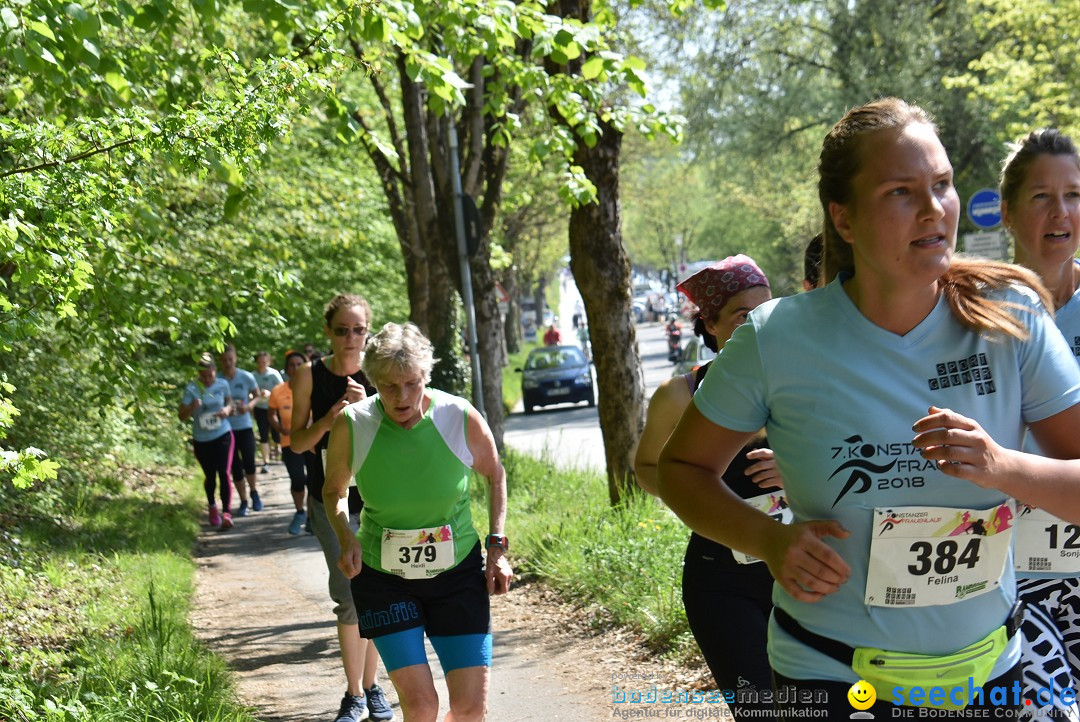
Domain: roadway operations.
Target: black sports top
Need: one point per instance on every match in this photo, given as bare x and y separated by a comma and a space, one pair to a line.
327, 388
719, 557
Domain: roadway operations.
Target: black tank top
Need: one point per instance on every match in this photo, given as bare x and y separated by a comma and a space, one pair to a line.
735, 476
704, 556
327, 388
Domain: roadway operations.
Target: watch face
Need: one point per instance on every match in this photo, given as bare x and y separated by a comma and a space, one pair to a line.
497, 540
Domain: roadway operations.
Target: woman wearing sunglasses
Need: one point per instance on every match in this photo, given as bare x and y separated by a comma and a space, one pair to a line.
321, 390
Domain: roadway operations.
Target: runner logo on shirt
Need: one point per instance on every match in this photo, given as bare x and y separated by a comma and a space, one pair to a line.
971, 370
862, 472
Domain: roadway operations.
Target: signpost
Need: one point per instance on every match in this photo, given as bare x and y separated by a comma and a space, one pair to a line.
984, 208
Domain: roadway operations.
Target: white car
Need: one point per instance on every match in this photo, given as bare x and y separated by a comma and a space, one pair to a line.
695, 354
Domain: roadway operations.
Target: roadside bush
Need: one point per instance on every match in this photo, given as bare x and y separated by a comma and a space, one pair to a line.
624, 562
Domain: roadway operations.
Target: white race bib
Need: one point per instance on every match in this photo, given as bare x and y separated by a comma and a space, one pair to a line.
1045, 543
773, 503
418, 553
209, 422
922, 556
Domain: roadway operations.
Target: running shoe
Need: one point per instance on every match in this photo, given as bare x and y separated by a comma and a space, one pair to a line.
297, 524
226, 521
264, 469
215, 516
378, 707
256, 502
243, 510
353, 709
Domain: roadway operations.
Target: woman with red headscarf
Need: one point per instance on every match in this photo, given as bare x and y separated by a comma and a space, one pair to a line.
727, 595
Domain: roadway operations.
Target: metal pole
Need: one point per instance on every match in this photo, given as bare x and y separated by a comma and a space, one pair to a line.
466, 272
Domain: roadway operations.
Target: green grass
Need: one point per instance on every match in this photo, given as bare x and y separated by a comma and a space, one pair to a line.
511, 379
96, 579
623, 563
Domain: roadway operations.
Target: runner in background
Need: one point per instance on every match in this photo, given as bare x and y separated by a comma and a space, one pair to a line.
895, 399
207, 403
411, 448
244, 390
280, 417
1040, 207
727, 596
321, 389
267, 378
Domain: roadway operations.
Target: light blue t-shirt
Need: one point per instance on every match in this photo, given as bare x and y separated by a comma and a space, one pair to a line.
266, 382
837, 396
204, 425
240, 387
1067, 319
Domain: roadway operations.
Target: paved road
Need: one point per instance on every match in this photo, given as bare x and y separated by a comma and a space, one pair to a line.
570, 433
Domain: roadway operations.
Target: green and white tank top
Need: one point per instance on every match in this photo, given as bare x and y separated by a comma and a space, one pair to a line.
414, 478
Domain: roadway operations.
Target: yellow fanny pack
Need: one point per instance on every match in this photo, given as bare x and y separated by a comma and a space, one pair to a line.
970, 666
884, 669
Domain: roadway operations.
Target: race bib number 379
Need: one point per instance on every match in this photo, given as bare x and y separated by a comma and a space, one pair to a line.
929, 555
418, 553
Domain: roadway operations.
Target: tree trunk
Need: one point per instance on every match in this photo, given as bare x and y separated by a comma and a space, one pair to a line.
540, 303
489, 340
421, 205
512, 325
601, 269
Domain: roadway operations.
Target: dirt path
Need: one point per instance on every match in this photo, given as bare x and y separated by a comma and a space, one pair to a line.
261, 603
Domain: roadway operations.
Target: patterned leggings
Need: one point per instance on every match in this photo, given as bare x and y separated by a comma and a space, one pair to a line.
1051, 642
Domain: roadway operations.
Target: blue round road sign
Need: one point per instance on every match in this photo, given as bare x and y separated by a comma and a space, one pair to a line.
984, 208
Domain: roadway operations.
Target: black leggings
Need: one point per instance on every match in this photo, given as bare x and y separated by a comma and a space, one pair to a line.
262, 420
836, 700
727, 606
243, 460
214, 457
294, 464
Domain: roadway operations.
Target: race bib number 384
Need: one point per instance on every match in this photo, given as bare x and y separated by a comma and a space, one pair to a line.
923, 556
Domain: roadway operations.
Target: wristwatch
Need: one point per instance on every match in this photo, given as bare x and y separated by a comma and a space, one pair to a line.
497, 540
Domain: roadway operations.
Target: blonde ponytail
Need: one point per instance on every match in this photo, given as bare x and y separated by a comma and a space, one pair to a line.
966, 284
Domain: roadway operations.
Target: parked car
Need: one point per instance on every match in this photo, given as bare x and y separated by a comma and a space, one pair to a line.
694, 355
556, 375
